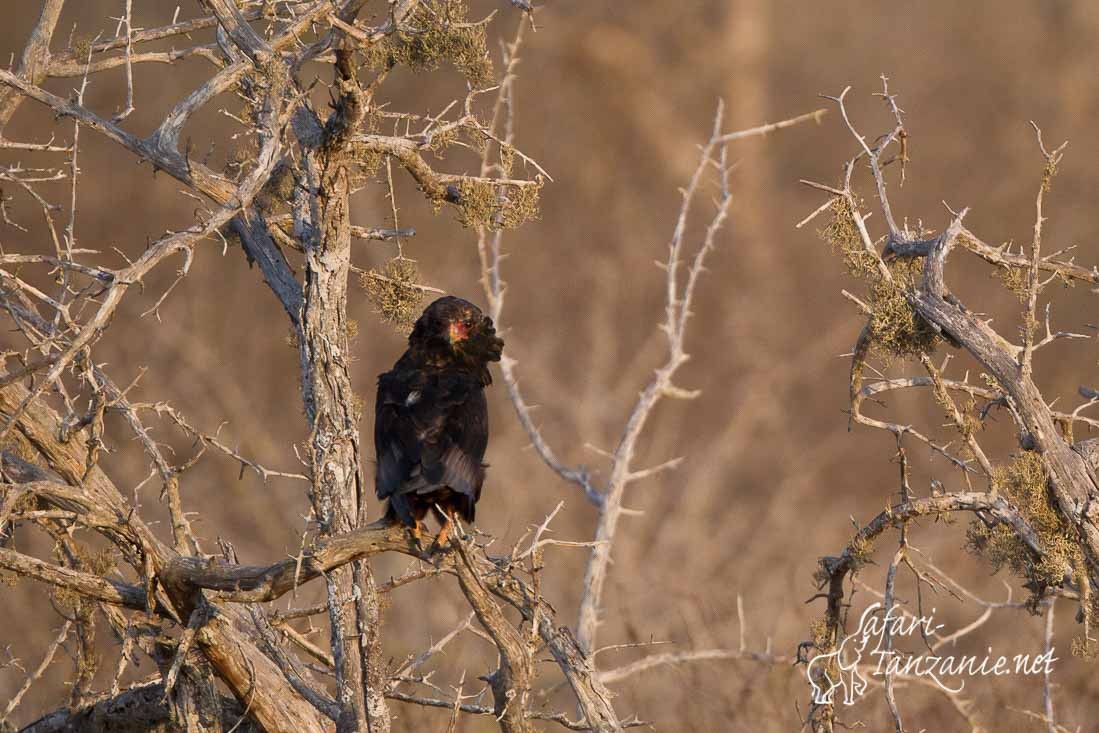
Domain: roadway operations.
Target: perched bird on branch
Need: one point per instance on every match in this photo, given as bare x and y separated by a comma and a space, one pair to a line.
431, 418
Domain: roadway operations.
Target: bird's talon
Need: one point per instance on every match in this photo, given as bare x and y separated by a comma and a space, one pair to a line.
417, 537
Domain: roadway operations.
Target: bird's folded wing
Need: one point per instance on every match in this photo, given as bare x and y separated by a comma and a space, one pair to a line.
430, 434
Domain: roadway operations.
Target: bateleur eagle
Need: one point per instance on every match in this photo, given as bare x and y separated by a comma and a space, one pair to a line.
431, 418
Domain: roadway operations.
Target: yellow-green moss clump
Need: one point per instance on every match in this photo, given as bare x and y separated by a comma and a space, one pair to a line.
440, 32
367, 160
858, 553
842, 232
1085, 648
1025, 483
394, 291
479, 204
442, 140
896, 330
507, 158
367, 164
1015, 279
821, 633
81, 48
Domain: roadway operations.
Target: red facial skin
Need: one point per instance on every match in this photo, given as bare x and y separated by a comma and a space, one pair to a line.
458, 332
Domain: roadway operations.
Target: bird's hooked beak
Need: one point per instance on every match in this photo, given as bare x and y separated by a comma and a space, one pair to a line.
458, 332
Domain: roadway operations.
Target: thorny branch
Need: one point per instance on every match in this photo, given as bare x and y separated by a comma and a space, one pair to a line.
262, 53
680, 291
285, 200
1035, 512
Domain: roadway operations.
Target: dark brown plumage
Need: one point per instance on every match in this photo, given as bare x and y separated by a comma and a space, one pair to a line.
431, 418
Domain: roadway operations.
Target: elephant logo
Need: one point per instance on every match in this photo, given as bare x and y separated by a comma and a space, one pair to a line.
840, 667
836, 669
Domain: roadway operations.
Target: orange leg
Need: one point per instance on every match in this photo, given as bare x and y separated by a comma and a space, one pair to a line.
444, 533
416, 531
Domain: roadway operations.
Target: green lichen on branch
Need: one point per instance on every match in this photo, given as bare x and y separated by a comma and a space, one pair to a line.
969, 422
1015, 279
822, 637
1025, 483
394, 291
842, 232
81, 47
822, 634
443, 139
1050, 171
895, 329
1085, 646
483, 203
507, 158
367, 160
366, 168
858, 553
437, 31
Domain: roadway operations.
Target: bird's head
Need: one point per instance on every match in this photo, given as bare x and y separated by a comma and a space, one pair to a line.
454, 327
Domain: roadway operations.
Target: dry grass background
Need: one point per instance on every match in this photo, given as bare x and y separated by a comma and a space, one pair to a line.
612, 99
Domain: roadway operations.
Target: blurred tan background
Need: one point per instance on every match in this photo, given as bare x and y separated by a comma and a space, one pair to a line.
612, 100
